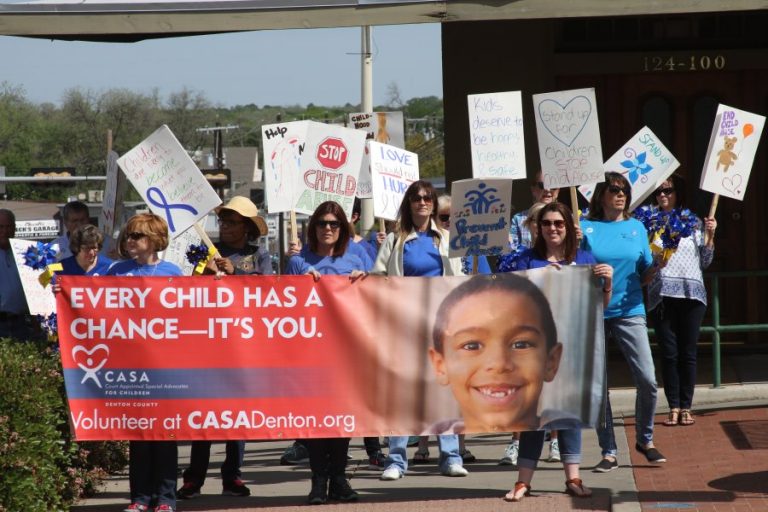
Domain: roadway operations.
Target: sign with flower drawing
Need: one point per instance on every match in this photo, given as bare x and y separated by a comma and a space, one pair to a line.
644, 161
480, 216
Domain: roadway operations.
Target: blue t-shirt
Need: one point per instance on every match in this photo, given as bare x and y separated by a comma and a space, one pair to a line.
358, 249
527, 259
421, 257
72, 267
624, 246
131, 268
327, 265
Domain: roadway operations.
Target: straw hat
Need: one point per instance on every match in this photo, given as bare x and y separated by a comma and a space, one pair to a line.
246, 208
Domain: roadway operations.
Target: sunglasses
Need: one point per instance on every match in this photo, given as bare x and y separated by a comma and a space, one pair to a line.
136, 236
615, 189
559, 224
333, 224
229, 223
444, 217
666, 191
419, 198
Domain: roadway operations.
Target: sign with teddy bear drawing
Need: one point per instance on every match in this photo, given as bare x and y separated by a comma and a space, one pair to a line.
732, 148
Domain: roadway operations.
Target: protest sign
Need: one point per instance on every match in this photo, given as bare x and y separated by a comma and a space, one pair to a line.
732, 147
644, 161
169, 181
496, 135
393, 170
329, 167
480, 217
281, 357
176, 252
569, 138
283, 145
114, 193
40, 300
383, 127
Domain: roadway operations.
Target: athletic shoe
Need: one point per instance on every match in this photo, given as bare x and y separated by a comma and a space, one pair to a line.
455, 470
377, 461
188, 491
510, 454
235, 488
554, 451
653, 455
391, 473
606, 465
136, 507
295, 454
340, 490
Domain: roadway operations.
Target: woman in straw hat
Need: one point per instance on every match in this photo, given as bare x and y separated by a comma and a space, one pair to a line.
240, 224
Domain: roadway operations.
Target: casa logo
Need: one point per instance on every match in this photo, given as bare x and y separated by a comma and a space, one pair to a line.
91, 361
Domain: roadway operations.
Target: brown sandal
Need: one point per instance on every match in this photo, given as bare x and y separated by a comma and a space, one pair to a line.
512, 495
686, 418
673, 418
578, 490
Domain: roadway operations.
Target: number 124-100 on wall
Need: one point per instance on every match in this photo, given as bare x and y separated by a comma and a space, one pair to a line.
689, 63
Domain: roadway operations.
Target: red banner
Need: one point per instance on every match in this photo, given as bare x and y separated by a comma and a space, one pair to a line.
258, 357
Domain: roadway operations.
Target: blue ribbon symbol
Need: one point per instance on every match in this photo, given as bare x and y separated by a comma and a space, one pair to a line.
161, 202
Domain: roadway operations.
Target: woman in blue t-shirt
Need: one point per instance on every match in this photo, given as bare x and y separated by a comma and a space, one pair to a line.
152, 464
328, 235
615, 238
86, 243
555, 244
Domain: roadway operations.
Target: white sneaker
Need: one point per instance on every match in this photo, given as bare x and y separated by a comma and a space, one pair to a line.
391, 473
554, 451
510, 454
455, 470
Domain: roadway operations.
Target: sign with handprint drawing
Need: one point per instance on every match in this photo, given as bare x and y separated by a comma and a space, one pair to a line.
732, 148
393, 170
644, 161
480, 211
569, 138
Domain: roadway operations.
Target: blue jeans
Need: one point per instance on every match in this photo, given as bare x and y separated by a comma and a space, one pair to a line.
449, 452
532, 441
631, 335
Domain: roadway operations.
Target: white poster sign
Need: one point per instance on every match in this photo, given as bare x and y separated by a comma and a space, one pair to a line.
329, 167
393, 170
37, 229
114, 193
169, 181
480, 210
283, 145
177, 250
732, 148
644, 161
569, 138
383, 127
40, 301
496, 135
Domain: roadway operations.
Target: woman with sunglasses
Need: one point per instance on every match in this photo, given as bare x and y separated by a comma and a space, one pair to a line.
419, 247
677, 301
327, 253
152, 464
555, 244
613, 237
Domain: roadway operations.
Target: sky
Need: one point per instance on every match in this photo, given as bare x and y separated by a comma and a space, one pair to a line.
280, 67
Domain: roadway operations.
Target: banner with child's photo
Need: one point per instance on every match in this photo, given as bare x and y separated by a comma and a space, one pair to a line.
284, 357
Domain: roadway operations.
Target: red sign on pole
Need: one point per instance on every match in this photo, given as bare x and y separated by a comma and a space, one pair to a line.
332, 153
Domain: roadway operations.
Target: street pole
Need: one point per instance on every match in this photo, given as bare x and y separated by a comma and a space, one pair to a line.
366, 105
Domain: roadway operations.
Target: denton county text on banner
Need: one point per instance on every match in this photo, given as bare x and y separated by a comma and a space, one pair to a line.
268, 357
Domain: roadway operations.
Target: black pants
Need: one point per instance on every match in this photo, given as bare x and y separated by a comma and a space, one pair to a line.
372, 445
201, 456
677, 323
328, 456
152, 472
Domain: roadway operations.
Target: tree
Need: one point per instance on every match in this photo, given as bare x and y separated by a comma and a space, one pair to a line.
186, 111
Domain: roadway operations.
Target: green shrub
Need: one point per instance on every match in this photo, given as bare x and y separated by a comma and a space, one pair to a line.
41, 467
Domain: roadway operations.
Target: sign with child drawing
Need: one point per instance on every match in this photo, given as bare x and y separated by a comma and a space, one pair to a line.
393, 170
732, 147
383, 127
283, 145
644, 161
480, 217
496, 135
569, 138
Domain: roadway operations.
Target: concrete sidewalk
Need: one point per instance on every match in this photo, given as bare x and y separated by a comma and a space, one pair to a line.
284, 488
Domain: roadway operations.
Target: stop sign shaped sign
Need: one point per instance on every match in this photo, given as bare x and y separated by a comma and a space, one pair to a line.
332, 153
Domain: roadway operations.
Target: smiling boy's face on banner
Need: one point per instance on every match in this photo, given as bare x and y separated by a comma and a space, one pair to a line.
495, 360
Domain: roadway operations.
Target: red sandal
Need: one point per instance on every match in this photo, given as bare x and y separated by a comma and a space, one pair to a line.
575, 487
519, 485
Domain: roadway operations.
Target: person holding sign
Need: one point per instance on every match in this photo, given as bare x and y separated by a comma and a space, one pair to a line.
677, 301
239, 225
519, 232
152, 464
555, 244
444, 219
615, 238
419, 248
329, 238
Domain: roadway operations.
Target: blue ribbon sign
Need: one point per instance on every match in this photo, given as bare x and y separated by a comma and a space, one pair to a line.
161, 202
